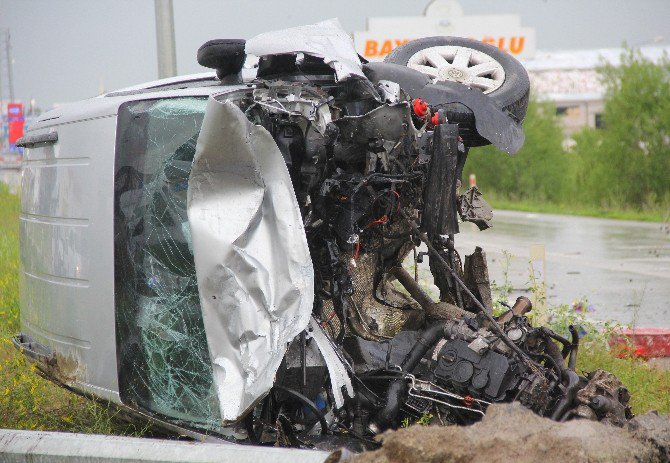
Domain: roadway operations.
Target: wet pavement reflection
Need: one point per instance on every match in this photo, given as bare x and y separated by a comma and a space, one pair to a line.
621, 267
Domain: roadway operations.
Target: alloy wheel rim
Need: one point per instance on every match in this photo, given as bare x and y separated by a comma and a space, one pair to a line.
459, 64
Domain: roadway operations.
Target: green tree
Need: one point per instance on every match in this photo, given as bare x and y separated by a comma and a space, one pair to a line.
539, 171
627, 163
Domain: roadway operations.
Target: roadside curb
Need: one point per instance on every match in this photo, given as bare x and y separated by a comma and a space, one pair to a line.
57, 447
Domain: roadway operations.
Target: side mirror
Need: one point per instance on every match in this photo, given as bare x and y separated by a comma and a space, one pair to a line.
227, 56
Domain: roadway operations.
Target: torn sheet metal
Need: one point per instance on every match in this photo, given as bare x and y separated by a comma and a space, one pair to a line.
325, 39
339, 378
491, 122
475, 209
254, 271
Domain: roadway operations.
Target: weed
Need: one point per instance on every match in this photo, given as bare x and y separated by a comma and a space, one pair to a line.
425, 419
500, 293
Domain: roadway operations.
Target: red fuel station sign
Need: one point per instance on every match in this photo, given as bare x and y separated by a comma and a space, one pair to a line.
15, 123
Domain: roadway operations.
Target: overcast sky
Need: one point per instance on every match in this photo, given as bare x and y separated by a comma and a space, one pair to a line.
64, 49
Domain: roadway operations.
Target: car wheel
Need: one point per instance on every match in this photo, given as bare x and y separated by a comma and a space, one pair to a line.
472, 63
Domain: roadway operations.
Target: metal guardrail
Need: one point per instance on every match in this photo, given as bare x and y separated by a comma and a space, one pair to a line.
57, 447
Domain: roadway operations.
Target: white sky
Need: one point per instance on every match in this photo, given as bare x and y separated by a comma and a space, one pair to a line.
64, 49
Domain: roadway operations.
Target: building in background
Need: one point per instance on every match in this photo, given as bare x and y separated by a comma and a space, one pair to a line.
570, 79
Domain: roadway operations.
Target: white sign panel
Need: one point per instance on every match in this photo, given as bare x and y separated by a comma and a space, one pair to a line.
445, 17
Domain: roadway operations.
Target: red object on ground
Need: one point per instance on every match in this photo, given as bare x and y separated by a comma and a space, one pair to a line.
435, 120
642, 342
420, 107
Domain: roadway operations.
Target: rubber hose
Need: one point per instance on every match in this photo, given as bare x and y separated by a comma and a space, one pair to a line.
388, 414
311, 405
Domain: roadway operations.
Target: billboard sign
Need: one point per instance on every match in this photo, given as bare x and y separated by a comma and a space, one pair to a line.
15, 123
445, 17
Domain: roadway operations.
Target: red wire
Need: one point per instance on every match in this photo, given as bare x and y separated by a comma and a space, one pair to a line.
330, 317
397, 195
383, 219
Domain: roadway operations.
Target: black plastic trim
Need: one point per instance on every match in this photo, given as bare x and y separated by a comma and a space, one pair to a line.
29, 141
34, 350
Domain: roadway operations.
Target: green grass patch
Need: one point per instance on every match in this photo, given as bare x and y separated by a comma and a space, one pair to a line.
647, 214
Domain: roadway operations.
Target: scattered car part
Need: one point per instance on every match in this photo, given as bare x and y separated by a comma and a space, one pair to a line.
474, 208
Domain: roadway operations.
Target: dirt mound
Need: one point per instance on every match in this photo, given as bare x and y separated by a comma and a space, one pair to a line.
510, 432
654, 429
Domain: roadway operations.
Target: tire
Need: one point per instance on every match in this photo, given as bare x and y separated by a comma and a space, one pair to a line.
509, 89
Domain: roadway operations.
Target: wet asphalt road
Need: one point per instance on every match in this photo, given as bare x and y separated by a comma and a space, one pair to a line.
621, 267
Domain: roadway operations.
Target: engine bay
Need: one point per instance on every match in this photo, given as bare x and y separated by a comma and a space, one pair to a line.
377, 175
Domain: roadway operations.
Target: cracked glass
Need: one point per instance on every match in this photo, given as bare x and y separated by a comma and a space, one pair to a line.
163, 359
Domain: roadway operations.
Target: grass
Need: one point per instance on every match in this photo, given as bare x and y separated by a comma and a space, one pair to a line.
28, 401
648, 214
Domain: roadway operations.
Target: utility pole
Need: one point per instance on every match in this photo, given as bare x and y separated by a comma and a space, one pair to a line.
10, 77
167, 55
2, 98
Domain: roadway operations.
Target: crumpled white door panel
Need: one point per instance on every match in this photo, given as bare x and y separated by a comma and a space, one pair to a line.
253, 267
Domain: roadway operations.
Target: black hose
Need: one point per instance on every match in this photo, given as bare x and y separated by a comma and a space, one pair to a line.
388, 414
551, 361
397, 389
570, 392
566, 344
554, 352
311, 405
427, 340
572, 362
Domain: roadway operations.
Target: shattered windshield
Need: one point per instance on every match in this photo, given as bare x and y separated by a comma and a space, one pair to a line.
164, 364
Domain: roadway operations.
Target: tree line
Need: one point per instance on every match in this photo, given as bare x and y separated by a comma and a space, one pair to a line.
623, 165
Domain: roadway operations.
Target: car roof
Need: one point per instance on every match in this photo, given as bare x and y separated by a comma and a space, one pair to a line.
170, 81
203, 79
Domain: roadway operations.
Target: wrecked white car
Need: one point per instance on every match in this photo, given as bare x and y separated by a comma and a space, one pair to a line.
222, 254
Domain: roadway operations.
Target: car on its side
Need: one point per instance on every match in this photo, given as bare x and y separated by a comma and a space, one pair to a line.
218, 253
